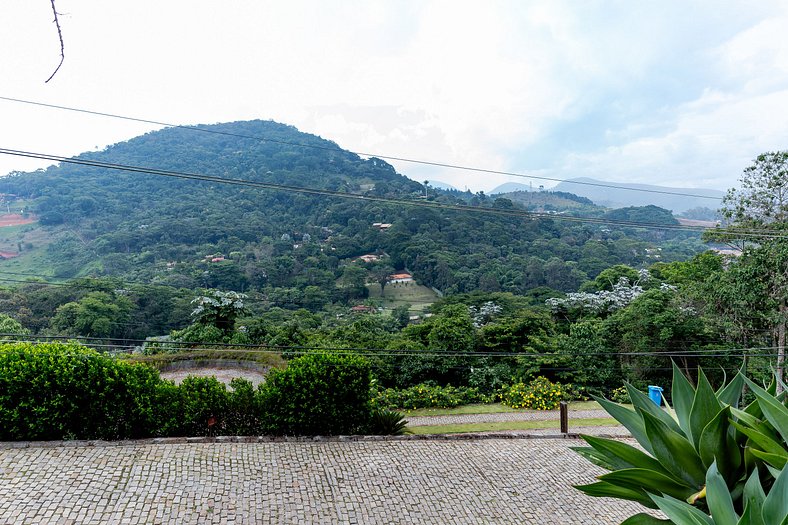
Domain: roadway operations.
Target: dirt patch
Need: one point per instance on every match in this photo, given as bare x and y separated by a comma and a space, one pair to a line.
15, 219
225, 375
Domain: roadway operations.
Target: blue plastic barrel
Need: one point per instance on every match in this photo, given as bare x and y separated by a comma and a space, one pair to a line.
655, 394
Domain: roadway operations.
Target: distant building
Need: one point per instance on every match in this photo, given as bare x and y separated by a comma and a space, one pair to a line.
369, 258
363, 309
403, 277
383, 226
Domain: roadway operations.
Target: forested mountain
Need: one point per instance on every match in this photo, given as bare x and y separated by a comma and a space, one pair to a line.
298, 248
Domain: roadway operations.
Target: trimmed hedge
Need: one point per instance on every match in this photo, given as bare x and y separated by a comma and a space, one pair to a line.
65, 391
318, 394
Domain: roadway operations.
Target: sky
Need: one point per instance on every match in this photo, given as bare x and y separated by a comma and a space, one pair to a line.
670, 92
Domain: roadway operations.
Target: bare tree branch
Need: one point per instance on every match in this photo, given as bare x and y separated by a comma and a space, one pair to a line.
62, 48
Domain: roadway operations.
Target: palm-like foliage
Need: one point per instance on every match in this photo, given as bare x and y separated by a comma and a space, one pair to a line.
704, 461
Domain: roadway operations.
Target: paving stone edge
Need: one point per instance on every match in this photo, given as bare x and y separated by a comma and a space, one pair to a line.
469, 436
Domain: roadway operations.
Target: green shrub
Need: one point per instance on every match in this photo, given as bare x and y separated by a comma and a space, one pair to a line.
243, 416
65, 391
539, 394
203, 404
620, 395
429, 396
317, 394
385, 422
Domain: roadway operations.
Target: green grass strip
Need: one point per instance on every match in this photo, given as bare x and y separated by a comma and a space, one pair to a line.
510, 425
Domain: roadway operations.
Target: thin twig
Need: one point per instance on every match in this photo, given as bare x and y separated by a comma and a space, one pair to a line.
62, 48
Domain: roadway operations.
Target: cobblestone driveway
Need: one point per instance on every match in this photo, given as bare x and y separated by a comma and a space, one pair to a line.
472, 481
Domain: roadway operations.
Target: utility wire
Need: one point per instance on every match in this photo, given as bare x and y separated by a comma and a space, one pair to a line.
359, 153
381, 352
371, 198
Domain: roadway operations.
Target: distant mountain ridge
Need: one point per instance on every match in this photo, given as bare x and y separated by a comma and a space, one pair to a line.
626, 194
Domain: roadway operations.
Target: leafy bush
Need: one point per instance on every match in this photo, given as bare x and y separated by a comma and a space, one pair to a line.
59, 391
385, 422
539, 394
620, 395
708, 462
202, 406
429, 396
318, 394
65, 391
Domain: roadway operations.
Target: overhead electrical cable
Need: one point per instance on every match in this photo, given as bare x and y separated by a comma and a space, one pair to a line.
359, 153
371, 198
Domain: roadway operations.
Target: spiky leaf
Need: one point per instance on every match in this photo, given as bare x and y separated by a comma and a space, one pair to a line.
775, 506
631, 420
601, 489
680, 512
717, 444
683, 393
705, 406
624, 455
773, 410
675, 452
719, 498
649, 481
644, 519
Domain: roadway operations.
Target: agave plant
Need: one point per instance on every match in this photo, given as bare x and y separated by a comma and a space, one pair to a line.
703, 461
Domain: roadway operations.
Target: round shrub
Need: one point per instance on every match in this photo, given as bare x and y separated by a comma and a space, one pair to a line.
317, 394
539, 394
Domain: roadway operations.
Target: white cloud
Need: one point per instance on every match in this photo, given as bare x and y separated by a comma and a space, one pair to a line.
669, 92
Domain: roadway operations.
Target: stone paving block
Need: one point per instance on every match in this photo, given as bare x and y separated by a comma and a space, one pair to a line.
468, 481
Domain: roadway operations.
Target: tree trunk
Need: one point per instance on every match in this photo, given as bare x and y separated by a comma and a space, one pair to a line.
781, 347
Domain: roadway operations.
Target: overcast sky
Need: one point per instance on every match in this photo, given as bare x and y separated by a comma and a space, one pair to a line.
680, 93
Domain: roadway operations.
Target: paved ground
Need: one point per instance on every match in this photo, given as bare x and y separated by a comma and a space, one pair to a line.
533, 415
499, 481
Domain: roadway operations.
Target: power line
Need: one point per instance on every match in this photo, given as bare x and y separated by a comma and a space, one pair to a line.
359, 153
378, 352
372, 198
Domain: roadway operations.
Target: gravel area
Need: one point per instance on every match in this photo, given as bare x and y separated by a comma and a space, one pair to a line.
225, 375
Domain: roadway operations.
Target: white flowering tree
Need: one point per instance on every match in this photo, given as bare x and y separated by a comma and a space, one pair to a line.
605, 301
218, 309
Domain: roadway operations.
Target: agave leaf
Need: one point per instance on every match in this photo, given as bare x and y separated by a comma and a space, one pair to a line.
746, 417
680, 512
623, 455
765, 442
705, 406
753, 499
730, 394
719, 498
775, 506
601, 489
649, 481
716, 444
675, 452
644, 403
775, 460
773, 471
683, 393
749, 517
631, 420
595, 457
644, 519
773, 410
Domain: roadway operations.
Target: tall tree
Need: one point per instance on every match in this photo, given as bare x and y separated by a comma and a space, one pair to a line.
760, 206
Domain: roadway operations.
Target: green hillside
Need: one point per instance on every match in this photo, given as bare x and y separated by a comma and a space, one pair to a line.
298, 248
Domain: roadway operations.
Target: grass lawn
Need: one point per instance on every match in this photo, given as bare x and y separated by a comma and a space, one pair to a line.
419, 297
510, 425
493, 408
